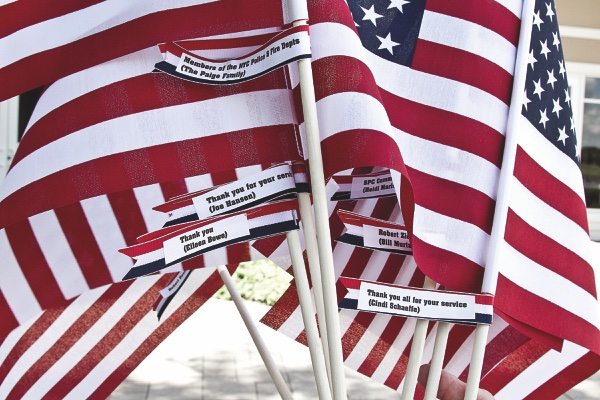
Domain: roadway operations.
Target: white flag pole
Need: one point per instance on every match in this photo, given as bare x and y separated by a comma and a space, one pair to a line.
280, 384
308, 316
299, 14
493, 258
437, 360
312, 253
416, 352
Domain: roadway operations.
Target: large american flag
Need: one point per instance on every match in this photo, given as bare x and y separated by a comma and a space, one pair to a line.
424, 88
103, 147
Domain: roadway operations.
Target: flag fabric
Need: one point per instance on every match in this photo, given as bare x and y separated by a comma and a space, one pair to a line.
443, 99
378, 346
96, 135
105, 144
140, 127
547, 259
430, 99
85, 348
37, 49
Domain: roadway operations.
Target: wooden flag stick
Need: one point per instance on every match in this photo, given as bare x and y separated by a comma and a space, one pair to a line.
437, 360
493, 257
308, 316
312, 253
416, 352
299, 13
280, 384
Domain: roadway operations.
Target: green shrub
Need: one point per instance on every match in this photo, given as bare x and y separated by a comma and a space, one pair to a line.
261, 281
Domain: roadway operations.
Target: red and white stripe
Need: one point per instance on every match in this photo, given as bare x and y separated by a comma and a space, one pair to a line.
87, 347
37, 49
547, 249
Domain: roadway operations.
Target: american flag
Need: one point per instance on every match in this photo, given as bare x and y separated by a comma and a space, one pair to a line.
103, 147
433, 105
547, 259
137, 128
76, 269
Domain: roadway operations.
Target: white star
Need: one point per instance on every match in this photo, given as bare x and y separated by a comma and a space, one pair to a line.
545, 50
538, 89
562, 135
387, 43
526, 100
556, 40
549, 12
531, 60
537, 20
572, 124
557, 108
371, 15
567, 97
551, 78
543, 118
562, 71
398, 4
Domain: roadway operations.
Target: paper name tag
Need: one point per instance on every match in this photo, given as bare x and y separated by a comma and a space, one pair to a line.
251, 190
385, 238
416, 303
287, 48
374, 186
210, 235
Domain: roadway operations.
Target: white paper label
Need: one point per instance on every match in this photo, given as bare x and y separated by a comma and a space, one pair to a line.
416, 303
278, 53
236, 194
372, 186
206, 236
175, 284
385, 238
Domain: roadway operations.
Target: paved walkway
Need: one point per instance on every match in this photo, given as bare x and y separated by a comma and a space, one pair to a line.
220, 362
